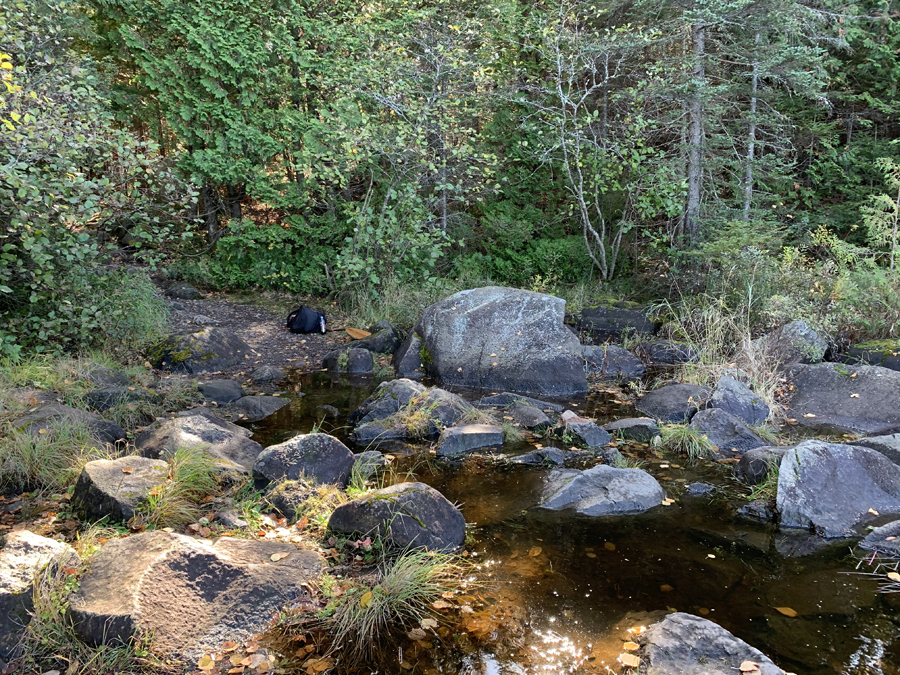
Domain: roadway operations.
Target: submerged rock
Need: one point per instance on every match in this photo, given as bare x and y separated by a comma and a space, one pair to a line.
405, 514
541, 457
683, 644
602, 490
457, 441
254, 408
507, 399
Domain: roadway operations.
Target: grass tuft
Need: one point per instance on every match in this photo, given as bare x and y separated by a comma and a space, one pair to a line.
767, 488
687, 441
176, 503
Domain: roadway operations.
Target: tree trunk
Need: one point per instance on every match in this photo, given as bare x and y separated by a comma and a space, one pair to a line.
210, 211
235, 195
695, 133
751, 136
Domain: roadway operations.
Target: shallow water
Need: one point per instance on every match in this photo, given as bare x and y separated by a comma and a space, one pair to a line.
563, 591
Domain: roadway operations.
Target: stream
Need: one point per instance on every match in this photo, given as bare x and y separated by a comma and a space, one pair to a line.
559, 593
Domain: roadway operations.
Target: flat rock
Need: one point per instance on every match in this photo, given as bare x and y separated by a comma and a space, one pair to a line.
885, 540
507, 399
736, 398
729, 434
528, 416
888, 445
103, 399
49, 415
352, 360
221, 391
605, 323
117, 487
602, 490
191, 594
405, 514
207, 350
407, 359
387, 399
254, 408
674, 403
183, 292
22, 558
854, 399
666, 352
683, 644
267, 374
640, 429
611, 362
229, 444
829, 488
541, 457
318, 457
457, 441
795, 343
502, 339
586, 431
756, 464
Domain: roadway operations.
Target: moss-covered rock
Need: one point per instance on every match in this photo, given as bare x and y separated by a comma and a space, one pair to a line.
210, 349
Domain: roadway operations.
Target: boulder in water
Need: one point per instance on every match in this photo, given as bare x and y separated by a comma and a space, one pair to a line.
602, 491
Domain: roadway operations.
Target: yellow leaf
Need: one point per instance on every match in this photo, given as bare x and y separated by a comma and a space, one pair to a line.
893, 576
6, 65
609, 546
749, 666
535, 551
206, 662
230, 646
787, 611
356, 333
703, 610
630, 660
127, 469
591, 555
665, 588
275, 557
631, 646
809, 415
873, 512
365, 599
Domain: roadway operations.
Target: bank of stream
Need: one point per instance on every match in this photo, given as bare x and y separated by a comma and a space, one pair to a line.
560, 593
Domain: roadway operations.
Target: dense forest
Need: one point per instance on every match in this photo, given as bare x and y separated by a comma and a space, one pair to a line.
738, 149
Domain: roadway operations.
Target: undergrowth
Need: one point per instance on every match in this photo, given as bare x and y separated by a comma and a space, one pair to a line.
176, 503
684, 440
767, 488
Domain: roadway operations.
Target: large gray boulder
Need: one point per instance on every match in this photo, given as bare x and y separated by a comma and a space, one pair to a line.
227, 443
190, 594
387, 399
830, 488
207, 350
457, 441
116, 488
737, 398
854, 399
612, 363
729, 434
50, 415
221, 391
795, 343
22, 559
502, 339
674, 403
318, 457
683, 644
602, 491
888, 445
405, 514
253, 408
605, 323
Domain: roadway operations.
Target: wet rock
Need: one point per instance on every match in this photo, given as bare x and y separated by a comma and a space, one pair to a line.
666, 352
102, 376
529, 417
265, 374
605, 323
51, 415
231, 519
368, 463
730, 435
288, 497
407, 359
640, 429
888, 445
736, 398
387, 399
674, 403
800, 543
700, 490
884, 353
507, 399
602, 490
227, 443
221, 391
191, 594
376, 433
327, 411
116, 488
207, 350
541, 457
756, 464
502, 339
885, 540
349, 360
683, 644
830, 488
183, 292
254, 408
795, 343
443, 408
457, 441
612, 363
406, 514
385, 339
585, 431
22, 558
758, 510
103, 399
318, 457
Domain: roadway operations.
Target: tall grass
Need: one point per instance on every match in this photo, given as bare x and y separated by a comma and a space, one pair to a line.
684, 440
176, 503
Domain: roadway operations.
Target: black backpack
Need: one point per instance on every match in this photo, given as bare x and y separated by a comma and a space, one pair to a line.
306, 320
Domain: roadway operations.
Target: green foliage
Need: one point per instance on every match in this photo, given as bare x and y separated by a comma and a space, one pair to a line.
882, 212
685, 440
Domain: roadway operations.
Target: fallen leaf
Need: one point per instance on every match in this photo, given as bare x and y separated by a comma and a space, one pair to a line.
127, 469
893, 576
889, 538
591, 555
854, 395
809, 415
535, 551
630, 660
609, 546
230, 646
206, 662
441, 604
873, 512
749, 666
417, 634
428, 623
665, 588
275, 557
631, 646
703, 610
366, 599
787, 611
